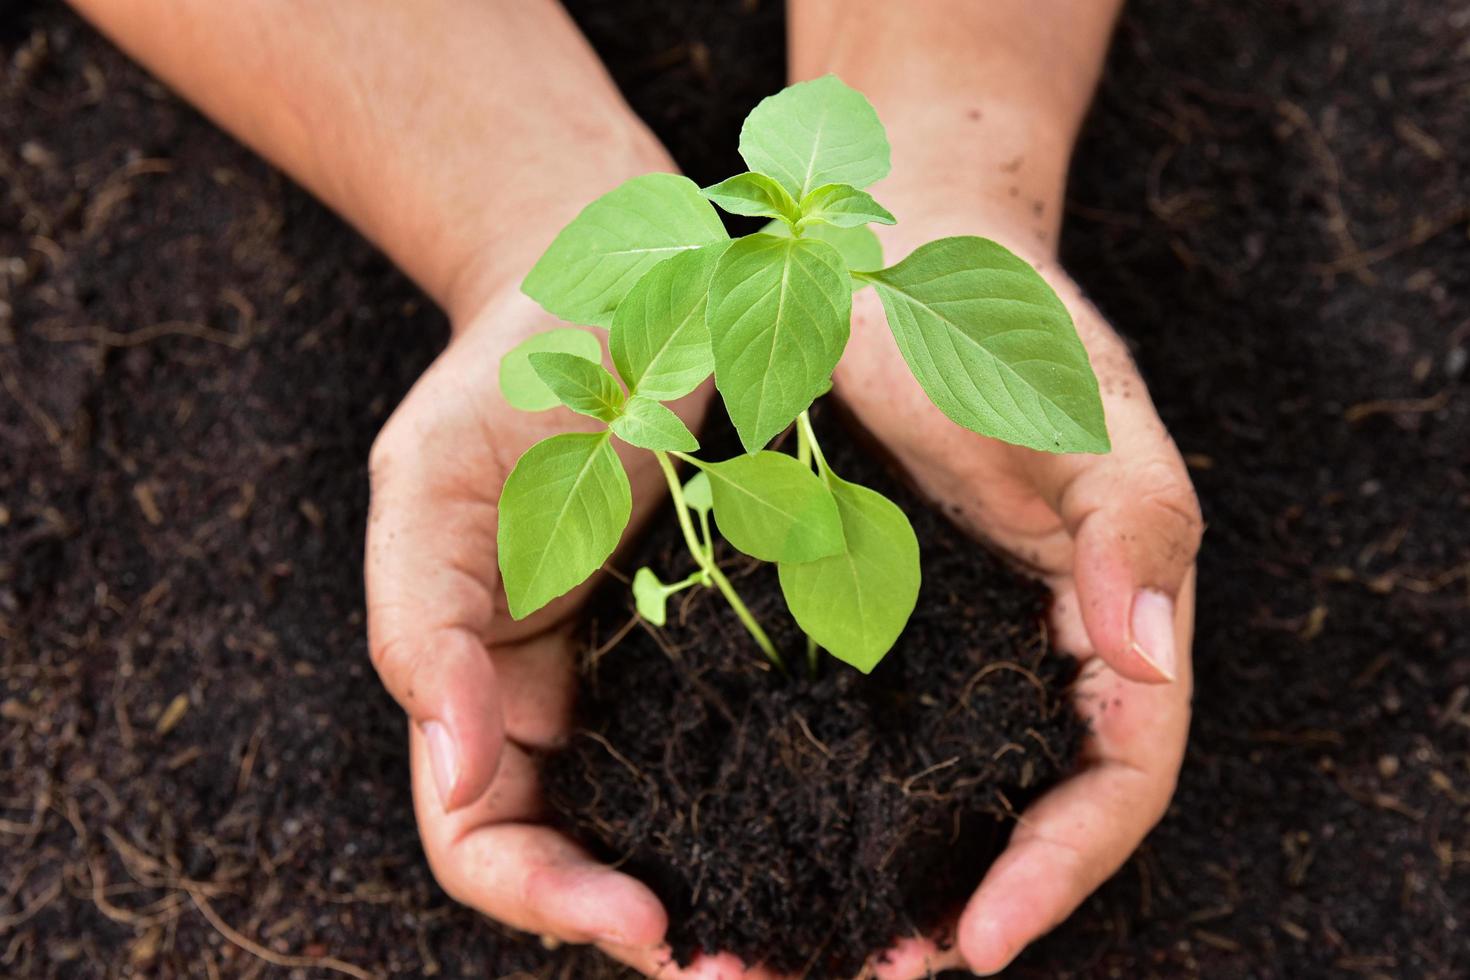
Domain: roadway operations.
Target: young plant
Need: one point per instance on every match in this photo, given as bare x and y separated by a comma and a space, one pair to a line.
768, 315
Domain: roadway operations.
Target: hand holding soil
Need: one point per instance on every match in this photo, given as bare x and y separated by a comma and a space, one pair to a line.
482, 709
1115, 538
1115, 535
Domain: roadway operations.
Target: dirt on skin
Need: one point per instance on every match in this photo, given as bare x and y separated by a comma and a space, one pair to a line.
199, 775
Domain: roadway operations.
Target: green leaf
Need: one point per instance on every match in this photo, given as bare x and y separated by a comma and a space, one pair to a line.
855, 603
518, 381
697, 493
595, 260
993, 345
649, 425
779, 315
859, 247
844, 206
815, 133
771, 507
562, 511
650, 596
754, 194
583, 386
659, 339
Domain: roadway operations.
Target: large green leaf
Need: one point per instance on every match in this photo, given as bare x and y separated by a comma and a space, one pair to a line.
518, 381
562, 511
773, 508
815, 133
844, 206
993, 345
659, 339
779, 315
754, 195
647, 424
583, 386
596, 259
859, 247
855, 603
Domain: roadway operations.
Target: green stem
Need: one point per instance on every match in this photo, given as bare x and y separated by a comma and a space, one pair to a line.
707, 564
803, 446
698, 578
811, 657
808, 436
705, 537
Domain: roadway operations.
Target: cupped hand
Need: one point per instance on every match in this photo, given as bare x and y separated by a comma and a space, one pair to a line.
1114, 535
484, 692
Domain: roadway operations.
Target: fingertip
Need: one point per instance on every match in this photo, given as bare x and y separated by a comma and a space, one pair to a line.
457, 696
1131, 629
983, 943
594, 902
1151, 623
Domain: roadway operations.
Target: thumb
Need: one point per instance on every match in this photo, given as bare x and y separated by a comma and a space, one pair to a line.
431, 579
1135, 526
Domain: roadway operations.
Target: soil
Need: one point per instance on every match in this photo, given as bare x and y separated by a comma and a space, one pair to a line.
199, 775
807, 822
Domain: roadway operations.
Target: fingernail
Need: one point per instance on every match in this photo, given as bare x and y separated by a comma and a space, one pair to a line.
1153, 631
444, 758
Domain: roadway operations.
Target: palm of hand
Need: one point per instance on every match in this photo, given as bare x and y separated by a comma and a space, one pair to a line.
485, 691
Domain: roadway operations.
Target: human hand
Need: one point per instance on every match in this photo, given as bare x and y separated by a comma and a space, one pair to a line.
484, 692
1115, 536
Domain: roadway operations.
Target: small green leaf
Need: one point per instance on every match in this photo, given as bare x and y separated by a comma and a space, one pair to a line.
855, 603
779, 315
844, 206
583, 386
562, 511
771, 507
755, 195
519, 384
650, 596
697, 493
649, 425
993, 345
815, 133
859, 247
595, 260
659, 338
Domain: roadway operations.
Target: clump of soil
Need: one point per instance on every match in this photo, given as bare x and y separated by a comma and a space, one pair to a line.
805, 821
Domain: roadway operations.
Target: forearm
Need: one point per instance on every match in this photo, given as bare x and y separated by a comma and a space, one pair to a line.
458, 135
982, 100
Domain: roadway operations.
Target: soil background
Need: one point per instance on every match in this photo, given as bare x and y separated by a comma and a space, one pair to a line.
1270, 201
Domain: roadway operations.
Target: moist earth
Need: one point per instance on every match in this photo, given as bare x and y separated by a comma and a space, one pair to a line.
1270, 203
809, 820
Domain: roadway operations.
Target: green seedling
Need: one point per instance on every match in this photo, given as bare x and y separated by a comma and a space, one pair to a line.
768, 316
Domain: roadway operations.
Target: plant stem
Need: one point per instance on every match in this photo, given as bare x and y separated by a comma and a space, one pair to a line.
808, 436
698, 578
803, 445
705, 537
807, 450
707, 564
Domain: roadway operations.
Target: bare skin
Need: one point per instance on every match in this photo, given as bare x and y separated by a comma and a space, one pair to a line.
369, 104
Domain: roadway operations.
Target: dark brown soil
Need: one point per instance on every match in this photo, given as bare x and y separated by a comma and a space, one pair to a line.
1270, 201
808, 822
